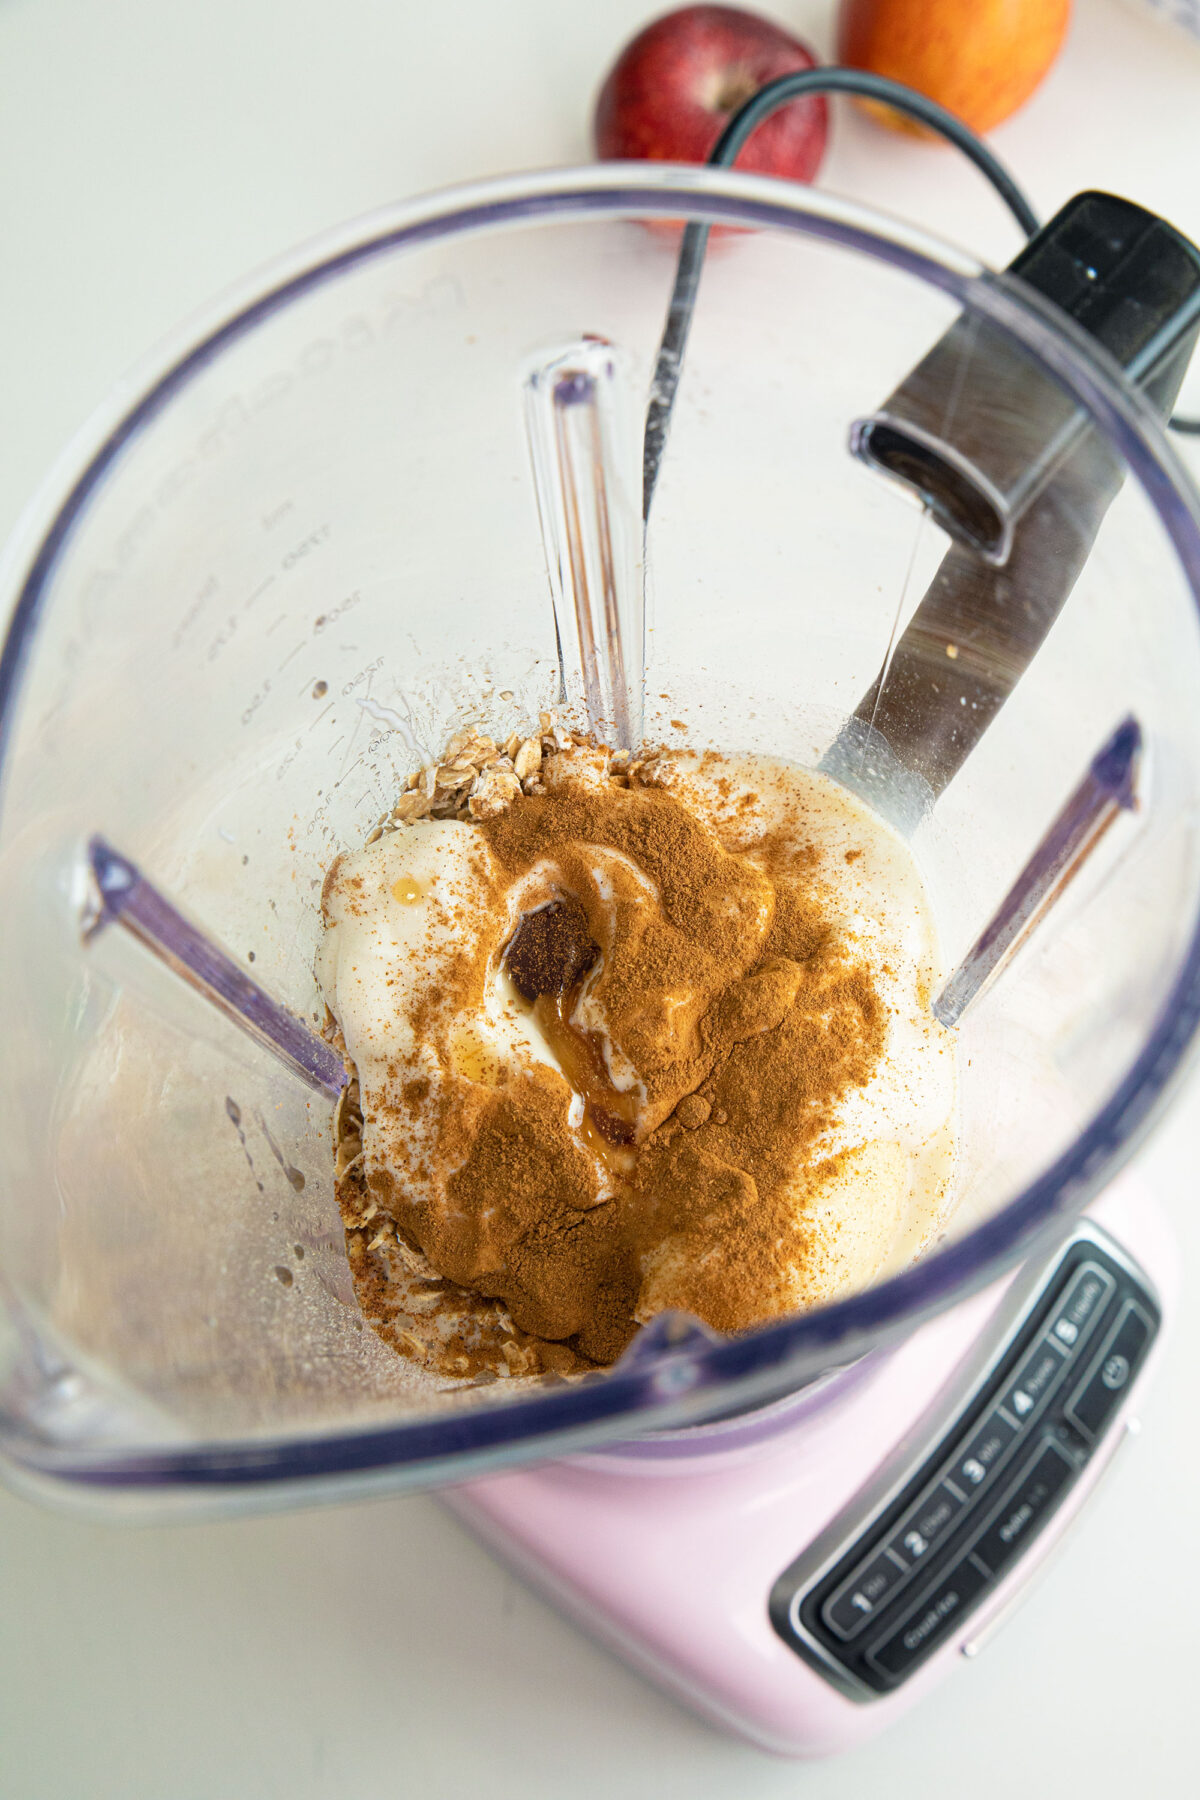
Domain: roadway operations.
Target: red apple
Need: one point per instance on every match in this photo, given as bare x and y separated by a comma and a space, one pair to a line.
675, 85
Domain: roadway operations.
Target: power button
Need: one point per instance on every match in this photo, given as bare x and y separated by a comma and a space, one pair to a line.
1100, 1392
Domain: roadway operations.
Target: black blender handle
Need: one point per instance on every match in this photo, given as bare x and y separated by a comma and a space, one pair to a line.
1118, 270
976, 430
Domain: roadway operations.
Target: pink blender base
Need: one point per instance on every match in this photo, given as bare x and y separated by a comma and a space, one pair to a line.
667, 1549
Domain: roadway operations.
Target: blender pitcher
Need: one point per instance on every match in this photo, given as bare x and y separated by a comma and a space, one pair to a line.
303, 545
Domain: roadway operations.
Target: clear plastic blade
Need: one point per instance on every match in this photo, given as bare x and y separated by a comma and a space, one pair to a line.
583, 447
123, 896
1108, 789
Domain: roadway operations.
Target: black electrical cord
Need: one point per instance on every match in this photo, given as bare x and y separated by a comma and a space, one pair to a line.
891, 93
695, 237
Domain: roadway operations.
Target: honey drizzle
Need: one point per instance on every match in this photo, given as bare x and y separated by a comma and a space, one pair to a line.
610, 1116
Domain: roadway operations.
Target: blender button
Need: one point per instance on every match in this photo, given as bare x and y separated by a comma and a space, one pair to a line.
1036, 1378
937, 1614
847, 1611
923, 1523
984, 1453
932, 1517
1101, 1392
1024, 1508
1081, 1306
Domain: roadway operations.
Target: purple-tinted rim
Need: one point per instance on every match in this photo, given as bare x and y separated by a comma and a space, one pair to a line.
656, 1392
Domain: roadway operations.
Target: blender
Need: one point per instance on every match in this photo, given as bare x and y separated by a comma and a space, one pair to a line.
297, 551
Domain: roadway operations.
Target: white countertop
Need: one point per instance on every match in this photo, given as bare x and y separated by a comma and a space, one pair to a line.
151, 154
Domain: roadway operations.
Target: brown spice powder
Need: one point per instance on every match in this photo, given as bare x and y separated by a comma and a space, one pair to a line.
746, 1021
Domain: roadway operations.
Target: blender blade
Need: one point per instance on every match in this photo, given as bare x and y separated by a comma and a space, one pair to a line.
1108, 789
580, 442
123, 896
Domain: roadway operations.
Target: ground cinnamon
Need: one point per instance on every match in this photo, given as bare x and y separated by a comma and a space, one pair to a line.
723, 987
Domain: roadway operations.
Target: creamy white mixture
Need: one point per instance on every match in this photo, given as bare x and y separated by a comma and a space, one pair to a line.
899, 1127
398, 910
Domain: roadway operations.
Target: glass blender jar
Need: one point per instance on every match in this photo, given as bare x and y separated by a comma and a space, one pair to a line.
299, 549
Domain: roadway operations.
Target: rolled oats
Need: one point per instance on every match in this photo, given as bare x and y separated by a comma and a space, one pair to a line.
528, 759
492, 792
410, 806
452, 776
475, 778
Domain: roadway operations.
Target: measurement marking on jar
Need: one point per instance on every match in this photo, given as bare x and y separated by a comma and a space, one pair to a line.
388, 716
326, 619
222, 638
260, 590
368, 675
316, 540
194, 610
257, 701
288, 760
287, 659
364, 674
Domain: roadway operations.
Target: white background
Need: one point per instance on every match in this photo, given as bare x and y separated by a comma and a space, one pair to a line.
150, 152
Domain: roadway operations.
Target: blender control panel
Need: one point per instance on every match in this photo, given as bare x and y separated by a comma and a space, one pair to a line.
878, 1605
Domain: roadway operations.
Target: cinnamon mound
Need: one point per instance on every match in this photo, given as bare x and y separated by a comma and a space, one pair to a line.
712, 983
679, 920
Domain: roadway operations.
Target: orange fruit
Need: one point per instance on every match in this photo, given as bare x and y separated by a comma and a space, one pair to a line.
980, 59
